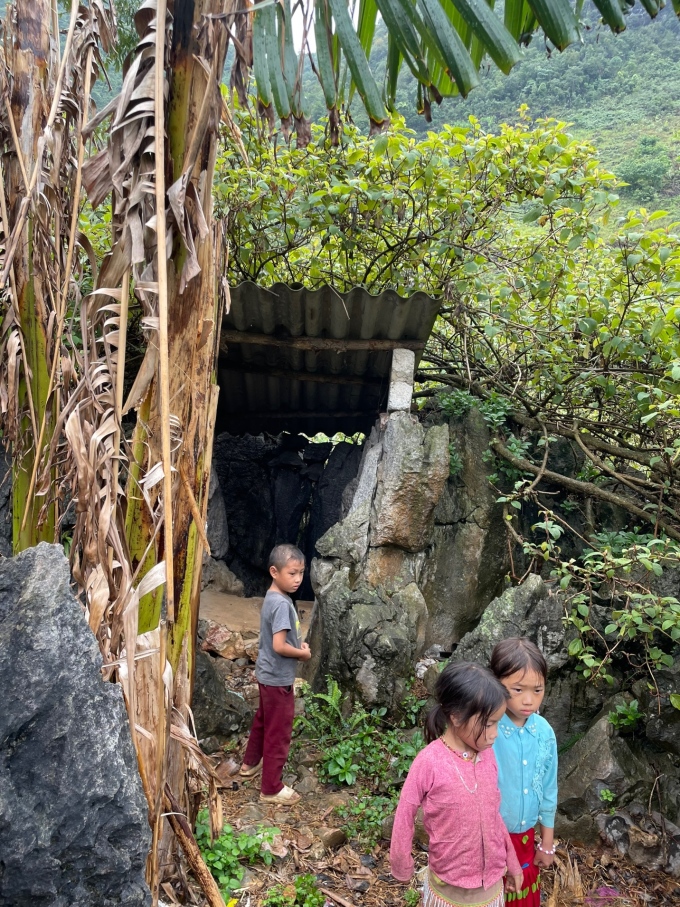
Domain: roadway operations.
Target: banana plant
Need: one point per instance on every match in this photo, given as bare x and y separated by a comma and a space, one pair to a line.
442, 42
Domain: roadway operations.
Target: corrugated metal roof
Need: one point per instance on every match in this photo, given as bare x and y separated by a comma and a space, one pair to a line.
313, 360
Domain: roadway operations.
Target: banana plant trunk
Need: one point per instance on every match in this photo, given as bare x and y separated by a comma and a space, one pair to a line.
30, 98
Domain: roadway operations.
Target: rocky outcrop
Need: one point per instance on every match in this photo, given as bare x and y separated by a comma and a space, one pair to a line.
535, 610
218, 577
599, 769
73, 817
217, 528
219, 713
371, 615
469, 557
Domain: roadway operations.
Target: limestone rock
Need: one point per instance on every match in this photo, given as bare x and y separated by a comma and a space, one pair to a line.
526, 610
224, 642
218, 712
73, 817
601, 761
217, 576
469, 557
326, 510
331, 837
217, 529
650, 841
414, 469
663, 724
348, 540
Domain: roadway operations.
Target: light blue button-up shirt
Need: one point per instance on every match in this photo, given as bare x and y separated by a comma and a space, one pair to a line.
527, 773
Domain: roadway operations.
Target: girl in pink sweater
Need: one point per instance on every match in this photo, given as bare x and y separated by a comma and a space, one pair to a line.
455, 780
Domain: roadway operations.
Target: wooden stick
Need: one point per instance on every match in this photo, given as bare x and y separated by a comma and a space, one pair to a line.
162, 273
195, 512
321, 378
317, 343
337, 898
182, 830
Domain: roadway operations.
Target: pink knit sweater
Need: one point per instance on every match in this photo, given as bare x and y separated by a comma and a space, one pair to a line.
469, 843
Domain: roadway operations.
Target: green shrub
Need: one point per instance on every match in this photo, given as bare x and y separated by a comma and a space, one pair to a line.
625, 715
302, 892
225, 856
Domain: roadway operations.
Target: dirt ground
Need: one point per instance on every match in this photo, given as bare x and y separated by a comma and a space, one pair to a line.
352, 876
241, 614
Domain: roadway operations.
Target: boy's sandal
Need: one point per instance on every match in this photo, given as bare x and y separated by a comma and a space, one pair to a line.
251, 770
285, 797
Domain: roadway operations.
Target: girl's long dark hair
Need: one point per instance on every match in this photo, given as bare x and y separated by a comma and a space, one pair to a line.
464, 690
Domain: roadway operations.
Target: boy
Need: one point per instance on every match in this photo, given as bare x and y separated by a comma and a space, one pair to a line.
275, 669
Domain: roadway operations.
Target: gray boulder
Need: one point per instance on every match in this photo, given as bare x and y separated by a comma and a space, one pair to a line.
73, 817
527, 610
217, 529
469, 557
219, 713
598, 762
413, 470
648, 840
218, 577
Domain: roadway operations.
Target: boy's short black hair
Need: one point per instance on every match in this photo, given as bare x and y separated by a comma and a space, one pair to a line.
281, 554
518, 653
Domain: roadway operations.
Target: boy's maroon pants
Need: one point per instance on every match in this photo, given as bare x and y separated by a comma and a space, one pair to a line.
270, 735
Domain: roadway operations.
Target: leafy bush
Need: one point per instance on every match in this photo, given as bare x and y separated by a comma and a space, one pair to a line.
365, 815
224, 857
303, 892
362, 745
625, 715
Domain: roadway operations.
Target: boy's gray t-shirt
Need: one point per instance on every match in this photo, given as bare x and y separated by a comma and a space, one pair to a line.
278, 613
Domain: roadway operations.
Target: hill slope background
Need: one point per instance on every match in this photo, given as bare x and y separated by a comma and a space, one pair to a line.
620, 91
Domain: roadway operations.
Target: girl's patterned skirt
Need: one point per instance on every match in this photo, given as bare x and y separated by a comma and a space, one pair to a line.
438, 894
530, 895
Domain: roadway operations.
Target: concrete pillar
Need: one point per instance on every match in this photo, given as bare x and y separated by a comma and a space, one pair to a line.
401, 380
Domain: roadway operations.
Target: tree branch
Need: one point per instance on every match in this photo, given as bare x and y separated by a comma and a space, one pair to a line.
587, 489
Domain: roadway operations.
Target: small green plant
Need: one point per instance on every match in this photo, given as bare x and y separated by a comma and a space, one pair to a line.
455, 461
224, 856
607, 796
412, 897
456, 403
340, 766
625, 715
361, 745
302, 892
364, 816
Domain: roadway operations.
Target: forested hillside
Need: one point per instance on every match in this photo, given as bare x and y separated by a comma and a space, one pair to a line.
622, 92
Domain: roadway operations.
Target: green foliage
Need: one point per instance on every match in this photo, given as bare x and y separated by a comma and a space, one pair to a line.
362, 745
398, 212
365, 815
625, 715
303, 892
455, 461
412, 897
646, 169
644, 625
607, 796
226, 855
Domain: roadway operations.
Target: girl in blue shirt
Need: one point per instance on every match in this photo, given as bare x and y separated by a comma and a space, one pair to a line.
526, 752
